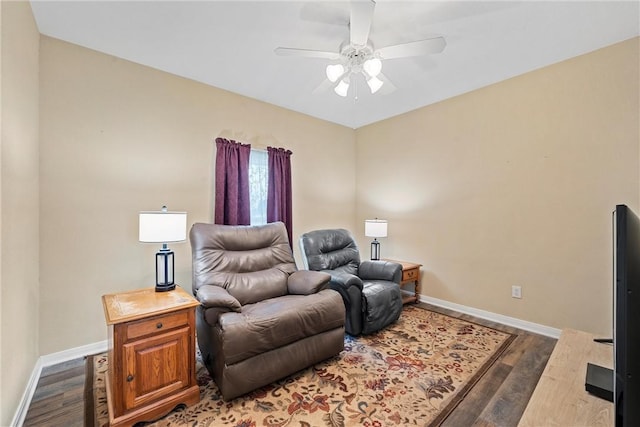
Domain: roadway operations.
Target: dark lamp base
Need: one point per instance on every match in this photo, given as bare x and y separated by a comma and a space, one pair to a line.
375, 250
165, 287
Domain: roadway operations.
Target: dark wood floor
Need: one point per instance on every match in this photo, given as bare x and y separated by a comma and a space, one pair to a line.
59, 396
498, 399
502, 394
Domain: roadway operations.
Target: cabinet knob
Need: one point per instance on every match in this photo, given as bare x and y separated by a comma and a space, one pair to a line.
130, 378
159, 325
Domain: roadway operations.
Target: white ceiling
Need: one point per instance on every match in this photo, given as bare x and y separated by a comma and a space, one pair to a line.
229, 44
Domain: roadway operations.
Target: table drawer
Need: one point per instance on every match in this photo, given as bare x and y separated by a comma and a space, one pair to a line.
410, 274
157, 324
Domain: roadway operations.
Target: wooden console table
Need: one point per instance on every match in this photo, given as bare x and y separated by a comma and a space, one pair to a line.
560, 398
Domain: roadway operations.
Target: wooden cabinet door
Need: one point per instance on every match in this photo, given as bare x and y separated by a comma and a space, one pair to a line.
156, 366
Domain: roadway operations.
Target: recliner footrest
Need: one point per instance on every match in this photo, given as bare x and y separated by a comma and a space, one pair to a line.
381, 305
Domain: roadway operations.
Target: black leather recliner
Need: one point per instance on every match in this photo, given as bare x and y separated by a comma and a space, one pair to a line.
370, 289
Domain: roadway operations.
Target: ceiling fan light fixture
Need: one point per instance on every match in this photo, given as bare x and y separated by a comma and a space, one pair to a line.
342, 88
374, 84
372, 66
357, 57
334, 72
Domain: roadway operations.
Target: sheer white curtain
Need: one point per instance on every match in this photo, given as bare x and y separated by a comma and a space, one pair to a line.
258, 183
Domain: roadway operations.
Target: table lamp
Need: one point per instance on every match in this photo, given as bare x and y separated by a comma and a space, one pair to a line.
163, 227
375, 228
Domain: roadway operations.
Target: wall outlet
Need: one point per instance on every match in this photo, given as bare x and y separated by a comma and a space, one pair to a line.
516, 291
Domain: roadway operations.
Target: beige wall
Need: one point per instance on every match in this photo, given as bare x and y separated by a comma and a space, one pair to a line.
513, 184
118, 138
19, 204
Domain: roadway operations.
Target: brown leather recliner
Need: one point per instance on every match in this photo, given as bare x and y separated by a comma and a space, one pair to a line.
260, 319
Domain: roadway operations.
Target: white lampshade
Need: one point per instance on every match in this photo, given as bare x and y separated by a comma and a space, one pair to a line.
374, 84
162, 227
342, 88
375, 228
372, 66
334, 72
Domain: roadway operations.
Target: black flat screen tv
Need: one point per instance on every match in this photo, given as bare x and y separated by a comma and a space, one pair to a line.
626, 329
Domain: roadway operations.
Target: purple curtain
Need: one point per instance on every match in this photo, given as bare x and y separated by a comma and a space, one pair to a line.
232, 183
279, 189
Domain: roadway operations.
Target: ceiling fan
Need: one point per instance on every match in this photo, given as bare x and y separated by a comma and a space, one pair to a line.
358, 55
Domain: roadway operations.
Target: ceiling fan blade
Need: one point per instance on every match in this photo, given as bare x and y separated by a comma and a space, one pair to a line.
360, 22
307, 53
323, 87
417, 48
387, 87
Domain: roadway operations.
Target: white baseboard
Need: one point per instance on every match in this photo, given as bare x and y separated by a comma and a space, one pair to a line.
74, 353
49, 360
494, 317
25, 401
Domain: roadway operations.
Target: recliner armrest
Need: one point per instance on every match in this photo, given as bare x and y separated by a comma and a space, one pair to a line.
305, 282
380, 270
211, 296
344, 280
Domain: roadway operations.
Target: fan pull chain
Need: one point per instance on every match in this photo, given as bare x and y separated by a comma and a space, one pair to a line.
355, 89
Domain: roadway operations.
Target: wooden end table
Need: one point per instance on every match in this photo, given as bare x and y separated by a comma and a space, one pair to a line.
410, 274
152, 366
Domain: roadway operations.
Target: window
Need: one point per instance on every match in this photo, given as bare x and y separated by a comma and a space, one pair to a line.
258, 183
252, 186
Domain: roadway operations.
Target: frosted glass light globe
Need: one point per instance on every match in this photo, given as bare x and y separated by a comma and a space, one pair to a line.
342, 88
334, 72
372, 66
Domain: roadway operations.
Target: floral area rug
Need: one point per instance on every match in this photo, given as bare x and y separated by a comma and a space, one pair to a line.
414, 372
